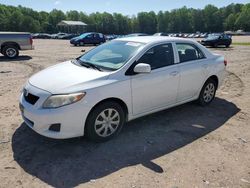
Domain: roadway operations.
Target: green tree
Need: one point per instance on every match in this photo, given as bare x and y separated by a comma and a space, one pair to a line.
73, 15
243, 21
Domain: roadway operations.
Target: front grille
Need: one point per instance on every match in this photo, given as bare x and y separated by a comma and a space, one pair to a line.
30, 98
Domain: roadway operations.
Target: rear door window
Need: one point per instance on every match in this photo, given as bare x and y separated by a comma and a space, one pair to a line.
189, 52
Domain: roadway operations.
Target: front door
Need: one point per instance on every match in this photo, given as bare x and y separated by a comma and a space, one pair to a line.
159, 87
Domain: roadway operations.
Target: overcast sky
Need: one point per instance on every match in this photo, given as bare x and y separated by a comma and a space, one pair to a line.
126, 7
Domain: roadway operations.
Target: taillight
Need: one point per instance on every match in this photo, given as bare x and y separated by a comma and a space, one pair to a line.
225, 62
31, 41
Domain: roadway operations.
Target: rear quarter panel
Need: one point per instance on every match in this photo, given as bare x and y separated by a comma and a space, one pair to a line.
217, 68
23, 40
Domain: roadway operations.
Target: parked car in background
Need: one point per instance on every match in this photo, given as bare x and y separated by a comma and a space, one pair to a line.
160, 34
88, 38
136, 35
58, 35
204, 35
12, 42
191, 35
68, 36
41, 36
110, 37
197, 35
217, 39
124, 79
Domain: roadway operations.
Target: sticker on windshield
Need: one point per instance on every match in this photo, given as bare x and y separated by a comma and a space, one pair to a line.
133, 44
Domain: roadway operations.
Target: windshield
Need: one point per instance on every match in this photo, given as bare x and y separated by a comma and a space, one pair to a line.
84, 35
213, 36
111, 55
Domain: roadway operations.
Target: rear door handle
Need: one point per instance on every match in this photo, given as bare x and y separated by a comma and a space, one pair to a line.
174, 73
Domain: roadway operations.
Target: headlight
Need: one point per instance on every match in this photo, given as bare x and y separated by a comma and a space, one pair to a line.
56, 101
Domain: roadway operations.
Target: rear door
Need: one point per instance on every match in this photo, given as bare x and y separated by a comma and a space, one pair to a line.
193, 70
96, 39
89, 39
159, 87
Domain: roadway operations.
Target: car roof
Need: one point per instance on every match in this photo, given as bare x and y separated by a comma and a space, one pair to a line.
13, 33
154, 39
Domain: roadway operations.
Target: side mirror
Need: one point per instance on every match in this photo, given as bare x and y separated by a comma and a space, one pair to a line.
142, 68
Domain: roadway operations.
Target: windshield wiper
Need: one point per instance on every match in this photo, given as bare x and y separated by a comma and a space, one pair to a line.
87, 64
79, 62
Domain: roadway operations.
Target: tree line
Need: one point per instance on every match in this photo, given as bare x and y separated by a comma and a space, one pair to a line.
186, 20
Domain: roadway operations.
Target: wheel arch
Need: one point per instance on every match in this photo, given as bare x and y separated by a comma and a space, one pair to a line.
113, 99
10, 44
214, 78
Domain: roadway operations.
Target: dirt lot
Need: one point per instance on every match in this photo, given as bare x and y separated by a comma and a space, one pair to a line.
186, 146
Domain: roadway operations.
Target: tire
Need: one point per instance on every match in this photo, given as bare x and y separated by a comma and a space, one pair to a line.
207, 93
10, 52
227, 46
99, 129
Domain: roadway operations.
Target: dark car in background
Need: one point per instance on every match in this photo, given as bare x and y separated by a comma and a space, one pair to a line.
217, 39
88, 38
41, 36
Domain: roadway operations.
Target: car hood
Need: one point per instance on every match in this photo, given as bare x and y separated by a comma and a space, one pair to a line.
67, 77
76, 38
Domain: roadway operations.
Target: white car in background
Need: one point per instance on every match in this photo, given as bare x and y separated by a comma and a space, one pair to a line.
95, 94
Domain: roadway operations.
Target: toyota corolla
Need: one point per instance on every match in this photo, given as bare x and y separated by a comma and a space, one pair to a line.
96, 93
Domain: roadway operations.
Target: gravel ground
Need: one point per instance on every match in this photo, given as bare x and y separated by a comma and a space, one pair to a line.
186, 146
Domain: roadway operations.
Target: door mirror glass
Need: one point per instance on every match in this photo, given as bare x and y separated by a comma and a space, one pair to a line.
142, 68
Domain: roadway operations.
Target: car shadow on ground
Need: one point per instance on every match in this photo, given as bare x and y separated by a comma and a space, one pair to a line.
19, 58
68, 163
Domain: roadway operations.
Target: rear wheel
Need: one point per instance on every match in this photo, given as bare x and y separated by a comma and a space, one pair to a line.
207, 93
104, 121
10, 52
227, 45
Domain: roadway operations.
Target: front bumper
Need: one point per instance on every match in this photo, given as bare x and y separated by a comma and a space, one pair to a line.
71, 118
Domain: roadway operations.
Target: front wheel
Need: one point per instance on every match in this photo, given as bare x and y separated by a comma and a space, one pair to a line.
207, 93
105, 121
10, 52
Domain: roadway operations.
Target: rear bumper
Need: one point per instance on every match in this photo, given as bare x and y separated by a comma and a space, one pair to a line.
27, 47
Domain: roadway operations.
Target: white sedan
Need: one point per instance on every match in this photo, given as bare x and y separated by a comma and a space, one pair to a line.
95, 94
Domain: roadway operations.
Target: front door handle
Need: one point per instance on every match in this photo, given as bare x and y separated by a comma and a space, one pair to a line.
174, 73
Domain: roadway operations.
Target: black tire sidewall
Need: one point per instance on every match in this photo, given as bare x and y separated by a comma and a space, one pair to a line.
90, 122
13, 47
201, 99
